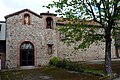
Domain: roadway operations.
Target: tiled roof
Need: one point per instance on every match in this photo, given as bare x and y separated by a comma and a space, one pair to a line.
47, 13
64, 21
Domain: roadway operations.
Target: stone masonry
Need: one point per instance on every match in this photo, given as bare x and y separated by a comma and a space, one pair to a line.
39, 36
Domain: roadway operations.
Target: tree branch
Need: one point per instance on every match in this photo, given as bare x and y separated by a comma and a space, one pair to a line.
115, 13
92, 12
104, 8
115, 8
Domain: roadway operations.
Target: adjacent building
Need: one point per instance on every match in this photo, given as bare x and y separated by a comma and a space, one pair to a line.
2, 43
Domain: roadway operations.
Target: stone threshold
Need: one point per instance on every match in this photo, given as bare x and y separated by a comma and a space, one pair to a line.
27, 67
20, 68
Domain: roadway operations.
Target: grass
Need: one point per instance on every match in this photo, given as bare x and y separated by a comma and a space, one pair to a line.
53, 73
75, 66
46, 73
100, 66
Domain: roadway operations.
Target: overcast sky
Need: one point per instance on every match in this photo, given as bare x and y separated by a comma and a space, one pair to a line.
11, 6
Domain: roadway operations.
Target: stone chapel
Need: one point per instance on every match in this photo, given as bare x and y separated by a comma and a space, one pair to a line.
32, 40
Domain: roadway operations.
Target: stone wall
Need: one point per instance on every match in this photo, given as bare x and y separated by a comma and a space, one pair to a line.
36, 33
94, 52
39, 36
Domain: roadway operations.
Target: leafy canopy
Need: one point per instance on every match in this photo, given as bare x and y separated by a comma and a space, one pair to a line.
104, 13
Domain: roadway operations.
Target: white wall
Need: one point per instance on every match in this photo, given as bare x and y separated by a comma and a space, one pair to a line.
3, 30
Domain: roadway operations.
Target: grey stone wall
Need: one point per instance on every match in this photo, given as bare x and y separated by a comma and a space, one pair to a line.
39, 36
36, 33
94, 52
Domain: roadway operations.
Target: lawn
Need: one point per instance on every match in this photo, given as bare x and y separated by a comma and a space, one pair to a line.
46, 73
52, 73
100, 66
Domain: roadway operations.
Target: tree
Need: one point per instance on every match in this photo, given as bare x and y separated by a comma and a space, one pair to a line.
77, 12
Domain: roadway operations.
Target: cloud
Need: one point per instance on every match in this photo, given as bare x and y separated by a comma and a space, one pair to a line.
11, 3
4, 10
11, 6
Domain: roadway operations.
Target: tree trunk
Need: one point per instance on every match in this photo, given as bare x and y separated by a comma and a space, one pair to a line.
108, 40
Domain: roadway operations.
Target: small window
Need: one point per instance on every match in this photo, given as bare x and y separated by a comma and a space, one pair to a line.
0, 56
49, 22
62, 36
0, 27
27, 19
50, 49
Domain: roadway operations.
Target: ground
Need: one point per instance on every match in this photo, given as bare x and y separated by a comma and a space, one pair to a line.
52, 73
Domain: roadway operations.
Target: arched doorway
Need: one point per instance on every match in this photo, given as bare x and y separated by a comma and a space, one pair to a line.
26, 54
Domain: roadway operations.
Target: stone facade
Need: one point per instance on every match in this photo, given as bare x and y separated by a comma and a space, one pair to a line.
95, 52
37, 34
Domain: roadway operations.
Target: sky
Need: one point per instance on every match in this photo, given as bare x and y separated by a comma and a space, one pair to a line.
10, 6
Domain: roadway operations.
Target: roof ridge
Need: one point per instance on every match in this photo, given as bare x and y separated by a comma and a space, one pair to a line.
23, 10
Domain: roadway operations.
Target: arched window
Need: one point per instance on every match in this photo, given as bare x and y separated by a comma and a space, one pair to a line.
49, 22
26, 45
27, 19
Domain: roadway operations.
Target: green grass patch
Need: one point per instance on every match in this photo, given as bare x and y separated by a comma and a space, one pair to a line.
66, 64
53, 73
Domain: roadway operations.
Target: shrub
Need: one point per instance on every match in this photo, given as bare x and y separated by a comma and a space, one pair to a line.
54, 61
67, 64
64, 63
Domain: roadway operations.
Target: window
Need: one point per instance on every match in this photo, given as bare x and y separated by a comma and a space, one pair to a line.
27, 45
0, 27
50, 48
27, 19
2, 46
62, 36
49, 22
0, 55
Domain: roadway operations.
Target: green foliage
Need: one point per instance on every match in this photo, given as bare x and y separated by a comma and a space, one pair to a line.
82, 34
54, 61
104, 13
66, 64
77, 12
116, 34
99, 10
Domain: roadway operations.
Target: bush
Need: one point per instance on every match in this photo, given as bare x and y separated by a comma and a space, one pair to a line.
64, 63
54, 61
67, 64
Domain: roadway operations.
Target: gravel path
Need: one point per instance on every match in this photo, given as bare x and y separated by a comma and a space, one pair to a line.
117, 79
